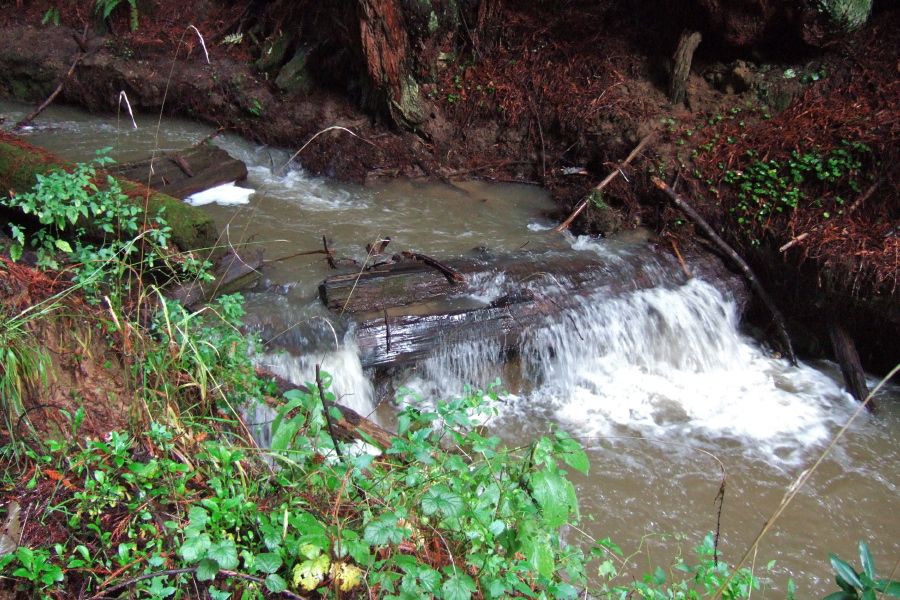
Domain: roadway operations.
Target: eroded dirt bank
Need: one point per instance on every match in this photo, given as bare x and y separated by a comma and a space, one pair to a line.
776, 139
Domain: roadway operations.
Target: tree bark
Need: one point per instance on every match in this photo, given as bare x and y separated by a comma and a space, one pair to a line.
681, 72
385, 45
851, 367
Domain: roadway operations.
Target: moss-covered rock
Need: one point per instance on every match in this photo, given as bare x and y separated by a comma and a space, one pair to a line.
21, 163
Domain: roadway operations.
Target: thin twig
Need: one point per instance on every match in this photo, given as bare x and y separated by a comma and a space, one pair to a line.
615, 173
799, 483
202, 43
52, 96
325, 408
868, 193
736, 258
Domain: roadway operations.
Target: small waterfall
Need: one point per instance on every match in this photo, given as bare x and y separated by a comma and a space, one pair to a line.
665, 362
349, 384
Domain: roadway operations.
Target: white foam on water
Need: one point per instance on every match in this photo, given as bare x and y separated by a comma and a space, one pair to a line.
308, 193
664, 362
486, 286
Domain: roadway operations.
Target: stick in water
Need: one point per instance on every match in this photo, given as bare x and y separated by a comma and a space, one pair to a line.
735, 257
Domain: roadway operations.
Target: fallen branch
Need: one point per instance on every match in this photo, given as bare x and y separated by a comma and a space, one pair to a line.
735, 257
296, 254
328, 255
52, 96
609, 178
452, 275
327, 412
351, 425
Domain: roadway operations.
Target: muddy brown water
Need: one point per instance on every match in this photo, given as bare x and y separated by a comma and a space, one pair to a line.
659, 384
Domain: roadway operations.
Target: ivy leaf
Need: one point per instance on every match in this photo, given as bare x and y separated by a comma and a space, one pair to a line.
540, 555
198, 516
275, 583
207, 569
458, 586
429, 579
891, 588
195, 547
571, 452
267, 562
440, 498
225, 553
868, 563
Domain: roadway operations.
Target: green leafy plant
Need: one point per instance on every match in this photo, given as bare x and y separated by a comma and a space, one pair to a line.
857, 585
105, 8
63, 203
51, 16
766, 188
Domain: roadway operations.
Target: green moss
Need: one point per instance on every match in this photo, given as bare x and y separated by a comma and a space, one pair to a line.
21, 163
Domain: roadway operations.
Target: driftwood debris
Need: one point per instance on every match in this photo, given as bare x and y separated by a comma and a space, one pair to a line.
737, 260
451, 274
21, 163
180, 174
328, 257
51, 97
609, 178
848, 359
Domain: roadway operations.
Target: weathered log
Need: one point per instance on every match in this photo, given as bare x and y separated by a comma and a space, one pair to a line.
180, 174
402, 312
21, 163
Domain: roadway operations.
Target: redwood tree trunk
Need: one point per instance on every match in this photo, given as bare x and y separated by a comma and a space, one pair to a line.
385, 45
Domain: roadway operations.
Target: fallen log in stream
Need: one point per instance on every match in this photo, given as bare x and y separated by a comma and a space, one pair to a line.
403, 311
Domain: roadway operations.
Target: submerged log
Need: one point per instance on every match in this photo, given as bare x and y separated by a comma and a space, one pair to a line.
21, 163
402, 312
180, 174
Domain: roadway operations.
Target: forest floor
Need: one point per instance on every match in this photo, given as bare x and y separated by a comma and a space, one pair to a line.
769, 149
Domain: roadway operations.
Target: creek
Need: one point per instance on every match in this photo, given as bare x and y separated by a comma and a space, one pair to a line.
655, 382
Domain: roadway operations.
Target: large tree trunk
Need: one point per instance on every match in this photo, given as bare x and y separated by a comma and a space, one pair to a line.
385, 45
